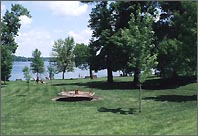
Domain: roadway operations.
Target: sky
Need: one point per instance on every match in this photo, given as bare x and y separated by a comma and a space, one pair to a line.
51, 20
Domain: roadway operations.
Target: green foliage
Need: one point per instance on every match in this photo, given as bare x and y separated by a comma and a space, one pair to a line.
51, 70
177, 39
62, 53
6, 63
82, 56
37, 65
106, 21
26, 72
10, 25
150, 62
139, 39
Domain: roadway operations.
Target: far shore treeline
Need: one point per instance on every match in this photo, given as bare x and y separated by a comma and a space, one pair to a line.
24, 59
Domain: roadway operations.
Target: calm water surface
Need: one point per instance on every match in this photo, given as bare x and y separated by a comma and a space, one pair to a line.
18, 74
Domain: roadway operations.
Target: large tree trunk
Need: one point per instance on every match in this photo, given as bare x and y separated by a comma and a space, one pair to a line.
90, 72
109, 70
63, 76
136, 80
109, 75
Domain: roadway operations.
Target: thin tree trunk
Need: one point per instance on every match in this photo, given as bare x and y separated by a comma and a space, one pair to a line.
37, 79
28, 85
5, 80
124, 72
90, 72
140, 98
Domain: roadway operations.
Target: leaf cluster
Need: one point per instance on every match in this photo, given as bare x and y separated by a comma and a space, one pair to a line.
26, 72
62, 53
37, 64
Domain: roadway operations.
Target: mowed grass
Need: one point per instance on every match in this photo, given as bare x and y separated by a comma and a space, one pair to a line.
171, 110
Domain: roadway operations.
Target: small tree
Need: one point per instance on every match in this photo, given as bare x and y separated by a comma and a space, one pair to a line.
27, 76
82, 56
37, 65
139, 38
150, 63
51, 71
62, 53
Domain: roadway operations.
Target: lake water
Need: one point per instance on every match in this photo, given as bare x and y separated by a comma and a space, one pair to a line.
18, 74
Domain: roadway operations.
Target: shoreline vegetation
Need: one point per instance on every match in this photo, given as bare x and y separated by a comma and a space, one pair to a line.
25, 59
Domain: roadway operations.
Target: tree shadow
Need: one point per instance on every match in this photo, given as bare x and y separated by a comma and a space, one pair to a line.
151, 84
173, 98
21, 95
103, 85
117, 110
168, 83
2, 86
60, 84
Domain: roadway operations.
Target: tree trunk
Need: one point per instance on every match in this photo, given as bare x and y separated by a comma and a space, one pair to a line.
124, 73
37, 78
5, 80
174, 75
28, 85
140, 98
109, 70
63, 76
136, 80
109, 76
90, 72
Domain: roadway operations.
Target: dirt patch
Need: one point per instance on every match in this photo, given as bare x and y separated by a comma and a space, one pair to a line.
76, 95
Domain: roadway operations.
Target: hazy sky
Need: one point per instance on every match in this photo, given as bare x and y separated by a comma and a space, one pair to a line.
50, 21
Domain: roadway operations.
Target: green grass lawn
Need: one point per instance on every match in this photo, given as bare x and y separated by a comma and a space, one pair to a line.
169, 110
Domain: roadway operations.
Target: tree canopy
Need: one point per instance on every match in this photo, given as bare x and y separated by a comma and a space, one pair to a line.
62, 53
37, 64
176, 32
82, 56
173, 27
10, 25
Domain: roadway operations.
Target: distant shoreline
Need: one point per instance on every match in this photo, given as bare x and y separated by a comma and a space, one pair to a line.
27, 59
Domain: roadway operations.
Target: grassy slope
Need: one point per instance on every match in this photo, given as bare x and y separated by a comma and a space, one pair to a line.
33, 112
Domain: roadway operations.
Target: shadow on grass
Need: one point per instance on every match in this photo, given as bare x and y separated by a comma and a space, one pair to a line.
103, 85
60, 84
173, 98
152, 84
168, 83
2, 86
21, 95
117, 110
74, 99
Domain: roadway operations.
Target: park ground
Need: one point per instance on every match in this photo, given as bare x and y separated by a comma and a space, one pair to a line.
168, 107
